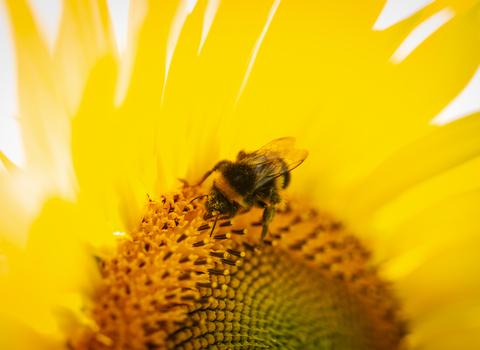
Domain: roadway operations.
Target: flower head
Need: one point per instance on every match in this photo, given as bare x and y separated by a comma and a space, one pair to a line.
101, 247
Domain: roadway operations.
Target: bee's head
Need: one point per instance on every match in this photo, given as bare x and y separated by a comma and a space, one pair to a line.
218, 202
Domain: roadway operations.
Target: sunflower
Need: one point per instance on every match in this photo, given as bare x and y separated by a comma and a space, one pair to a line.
375, 247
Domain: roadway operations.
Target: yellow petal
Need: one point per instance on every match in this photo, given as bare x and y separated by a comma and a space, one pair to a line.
45, 127
433, 231
85, 36
441, 189
432, 258
139, 113
22, 293
461, 322
103, 162
57, 250
442, 149
388, 106
7, 163
57, 270
17, 335
457, 6
20, 204
46, 131
435, 292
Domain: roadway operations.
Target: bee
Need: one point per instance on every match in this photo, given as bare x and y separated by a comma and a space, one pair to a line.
255, 179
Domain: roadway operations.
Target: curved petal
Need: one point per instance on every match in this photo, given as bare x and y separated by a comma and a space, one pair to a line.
461, 322
103, 149
57, 245
343, 99
46, 131
432, 256
22, 295
56, 272
85, 36
45, 127
439, 151
139, 112
463, 178
18, 335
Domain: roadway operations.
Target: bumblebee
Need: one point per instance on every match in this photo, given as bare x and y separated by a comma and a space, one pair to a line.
254, 180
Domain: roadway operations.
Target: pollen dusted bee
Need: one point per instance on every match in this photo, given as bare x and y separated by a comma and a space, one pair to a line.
254, 180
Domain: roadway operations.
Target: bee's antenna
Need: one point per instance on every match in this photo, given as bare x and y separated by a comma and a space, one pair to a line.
213, 228
203, 195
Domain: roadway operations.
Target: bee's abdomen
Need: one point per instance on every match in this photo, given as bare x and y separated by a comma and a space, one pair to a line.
282, 181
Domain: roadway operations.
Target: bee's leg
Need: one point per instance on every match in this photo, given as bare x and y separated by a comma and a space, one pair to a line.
268, 215
214, 224
208, 173
184, 182
203, 195
216, 219
241, 155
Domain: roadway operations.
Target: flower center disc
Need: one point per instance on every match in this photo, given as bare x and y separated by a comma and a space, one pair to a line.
170, 285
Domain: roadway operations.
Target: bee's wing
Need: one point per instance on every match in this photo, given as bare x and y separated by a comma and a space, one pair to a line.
275, 159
